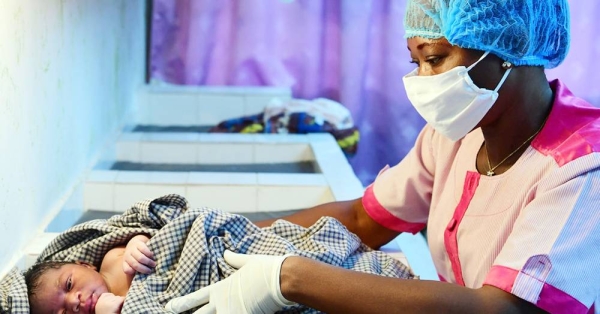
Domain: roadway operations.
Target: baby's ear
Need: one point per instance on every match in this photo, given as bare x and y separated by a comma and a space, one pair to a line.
86, 264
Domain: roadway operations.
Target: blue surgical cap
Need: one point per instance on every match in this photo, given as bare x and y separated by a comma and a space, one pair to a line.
523, 32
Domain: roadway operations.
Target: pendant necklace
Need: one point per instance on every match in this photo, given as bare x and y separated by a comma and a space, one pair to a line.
491, 169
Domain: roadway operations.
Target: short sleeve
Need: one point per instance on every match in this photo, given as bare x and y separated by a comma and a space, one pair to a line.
400, 197
551, 257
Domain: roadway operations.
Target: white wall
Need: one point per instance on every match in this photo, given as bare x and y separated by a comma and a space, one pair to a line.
68, 72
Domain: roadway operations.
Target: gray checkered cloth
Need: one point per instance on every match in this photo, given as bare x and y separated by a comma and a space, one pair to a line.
188, 245
13, 293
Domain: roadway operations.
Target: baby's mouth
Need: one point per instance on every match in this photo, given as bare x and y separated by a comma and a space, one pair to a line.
90, 304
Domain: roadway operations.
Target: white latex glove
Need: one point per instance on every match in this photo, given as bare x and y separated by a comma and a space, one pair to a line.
253, 289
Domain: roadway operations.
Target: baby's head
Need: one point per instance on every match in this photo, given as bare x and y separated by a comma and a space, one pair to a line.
64, 287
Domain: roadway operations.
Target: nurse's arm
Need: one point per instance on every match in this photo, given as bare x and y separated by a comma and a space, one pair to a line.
350, 213
336, 290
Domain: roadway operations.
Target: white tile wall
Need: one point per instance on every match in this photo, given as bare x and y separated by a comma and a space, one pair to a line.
35, 247
225, 153
332, 163
279, 152
131, 137
175, 153
172, 109
215, 148
227, 138
133, 177
168, 177
177, 137
207, 105
222, 178
142, 99
214, 109
291, 179
266, 191
225, 197
240, 192
99, 196
128, 151
275, 198
102, 176
280, 138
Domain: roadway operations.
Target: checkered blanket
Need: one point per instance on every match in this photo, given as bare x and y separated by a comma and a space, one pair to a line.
188, 245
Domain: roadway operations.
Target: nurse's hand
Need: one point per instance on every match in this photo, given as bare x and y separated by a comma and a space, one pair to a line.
253, 289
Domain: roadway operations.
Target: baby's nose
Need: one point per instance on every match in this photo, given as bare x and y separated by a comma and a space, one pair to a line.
74, 302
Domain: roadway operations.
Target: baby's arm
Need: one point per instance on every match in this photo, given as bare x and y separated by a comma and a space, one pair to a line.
121, 263
137, 256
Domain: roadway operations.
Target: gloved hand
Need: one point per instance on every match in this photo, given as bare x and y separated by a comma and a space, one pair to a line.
253, 289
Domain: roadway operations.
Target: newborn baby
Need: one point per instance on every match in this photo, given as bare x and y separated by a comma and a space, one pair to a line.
77, 287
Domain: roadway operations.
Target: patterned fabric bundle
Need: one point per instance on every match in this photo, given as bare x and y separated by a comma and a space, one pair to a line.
188, 245
299, 116
13, 294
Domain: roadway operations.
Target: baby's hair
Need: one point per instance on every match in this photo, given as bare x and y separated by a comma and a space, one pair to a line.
34, 274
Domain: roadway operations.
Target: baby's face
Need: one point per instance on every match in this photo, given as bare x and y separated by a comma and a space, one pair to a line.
72, 288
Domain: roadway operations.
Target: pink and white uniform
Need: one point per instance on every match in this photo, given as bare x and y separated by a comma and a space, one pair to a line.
533, 231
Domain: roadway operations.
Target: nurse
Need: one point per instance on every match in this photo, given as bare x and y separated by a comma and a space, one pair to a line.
505, 175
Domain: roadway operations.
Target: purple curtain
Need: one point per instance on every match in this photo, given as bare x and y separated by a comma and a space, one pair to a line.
581, 69
347, 50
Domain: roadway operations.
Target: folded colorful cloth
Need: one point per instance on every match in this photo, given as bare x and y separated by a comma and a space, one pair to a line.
300, 117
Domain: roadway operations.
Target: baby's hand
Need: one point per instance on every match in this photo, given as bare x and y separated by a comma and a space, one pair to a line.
137, 256
109, 303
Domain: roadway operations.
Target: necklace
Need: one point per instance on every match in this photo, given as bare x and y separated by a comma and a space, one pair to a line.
491, 169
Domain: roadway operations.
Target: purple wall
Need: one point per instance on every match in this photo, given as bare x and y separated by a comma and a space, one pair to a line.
347, 50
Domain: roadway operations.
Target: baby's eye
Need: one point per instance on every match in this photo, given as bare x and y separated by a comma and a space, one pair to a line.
69, 284
415, 62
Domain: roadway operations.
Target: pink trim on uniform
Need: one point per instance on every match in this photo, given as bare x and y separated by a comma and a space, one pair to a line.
555, 300
501, 277
442, 278
551, 299
382, 216
571, 131
450, 239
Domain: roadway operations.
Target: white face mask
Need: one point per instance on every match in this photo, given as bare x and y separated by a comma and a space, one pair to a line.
450, 102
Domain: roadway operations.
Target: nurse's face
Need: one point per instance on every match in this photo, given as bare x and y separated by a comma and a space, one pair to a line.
72, 288
435, 56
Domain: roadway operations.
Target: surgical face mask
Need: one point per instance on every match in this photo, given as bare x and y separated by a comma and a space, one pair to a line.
450, 102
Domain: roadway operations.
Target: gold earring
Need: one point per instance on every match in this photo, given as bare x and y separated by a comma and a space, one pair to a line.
507, 65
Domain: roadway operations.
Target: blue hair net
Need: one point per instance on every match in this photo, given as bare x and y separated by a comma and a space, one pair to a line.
523, 32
